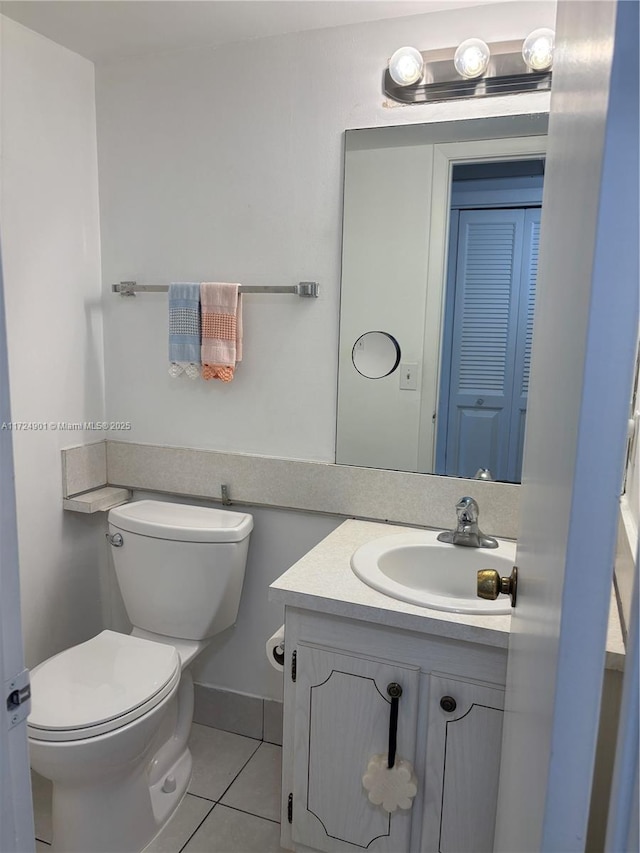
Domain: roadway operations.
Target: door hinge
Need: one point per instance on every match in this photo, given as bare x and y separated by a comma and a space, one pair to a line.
290, 808
294, 665
18, 698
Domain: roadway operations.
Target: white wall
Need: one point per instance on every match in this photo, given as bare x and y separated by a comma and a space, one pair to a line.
226, 164
51, 262
221, 164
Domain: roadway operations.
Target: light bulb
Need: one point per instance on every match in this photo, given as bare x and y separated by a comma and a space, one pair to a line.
472, 58
537, 49
406, 66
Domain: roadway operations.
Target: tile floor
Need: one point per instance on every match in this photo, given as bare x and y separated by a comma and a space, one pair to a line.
233, 804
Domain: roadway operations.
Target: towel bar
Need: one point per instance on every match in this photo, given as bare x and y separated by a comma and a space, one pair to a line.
303, 288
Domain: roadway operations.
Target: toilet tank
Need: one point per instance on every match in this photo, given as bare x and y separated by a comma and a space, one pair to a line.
180, 568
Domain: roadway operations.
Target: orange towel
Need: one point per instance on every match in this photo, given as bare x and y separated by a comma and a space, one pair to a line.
221, 307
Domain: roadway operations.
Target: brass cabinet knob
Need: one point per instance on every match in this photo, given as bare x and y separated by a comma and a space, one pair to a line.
491, 585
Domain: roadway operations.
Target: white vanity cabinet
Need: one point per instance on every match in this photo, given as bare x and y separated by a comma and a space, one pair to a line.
337, 716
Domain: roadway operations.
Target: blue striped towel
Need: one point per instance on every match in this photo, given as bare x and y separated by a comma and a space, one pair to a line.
184, 329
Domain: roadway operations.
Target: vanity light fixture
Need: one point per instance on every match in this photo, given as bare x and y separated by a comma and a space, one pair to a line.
473, 69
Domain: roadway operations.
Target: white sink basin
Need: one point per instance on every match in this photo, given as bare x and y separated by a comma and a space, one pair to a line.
415, 567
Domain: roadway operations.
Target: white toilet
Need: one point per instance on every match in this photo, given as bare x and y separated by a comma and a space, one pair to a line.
111, 717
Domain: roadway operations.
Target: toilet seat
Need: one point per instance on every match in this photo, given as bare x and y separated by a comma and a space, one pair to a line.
99, 686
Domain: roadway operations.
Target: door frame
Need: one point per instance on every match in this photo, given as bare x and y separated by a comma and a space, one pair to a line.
446, 155
16, 813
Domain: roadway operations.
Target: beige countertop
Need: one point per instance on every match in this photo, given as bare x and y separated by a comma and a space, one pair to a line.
323, 581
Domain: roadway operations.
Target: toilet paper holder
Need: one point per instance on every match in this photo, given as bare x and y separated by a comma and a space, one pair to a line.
278, 654
275, 649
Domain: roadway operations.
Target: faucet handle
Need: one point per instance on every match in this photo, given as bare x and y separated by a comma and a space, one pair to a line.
467, 510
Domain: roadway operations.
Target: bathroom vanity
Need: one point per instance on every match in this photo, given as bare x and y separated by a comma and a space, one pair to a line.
345, 644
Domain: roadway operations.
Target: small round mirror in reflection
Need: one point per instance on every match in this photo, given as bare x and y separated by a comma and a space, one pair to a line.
376, 354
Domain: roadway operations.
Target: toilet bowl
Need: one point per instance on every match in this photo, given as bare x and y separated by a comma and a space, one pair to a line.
111, 717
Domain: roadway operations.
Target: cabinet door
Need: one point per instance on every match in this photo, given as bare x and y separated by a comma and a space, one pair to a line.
342, 714
463, 766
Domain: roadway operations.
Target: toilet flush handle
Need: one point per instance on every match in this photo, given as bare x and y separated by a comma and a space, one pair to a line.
115, 539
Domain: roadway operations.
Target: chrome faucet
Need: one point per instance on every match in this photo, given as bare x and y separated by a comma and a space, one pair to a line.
467, 532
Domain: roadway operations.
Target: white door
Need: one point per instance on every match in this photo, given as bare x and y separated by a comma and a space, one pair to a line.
16, 819
584, 341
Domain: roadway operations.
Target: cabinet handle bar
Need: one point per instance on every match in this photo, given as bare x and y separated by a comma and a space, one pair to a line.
394, 691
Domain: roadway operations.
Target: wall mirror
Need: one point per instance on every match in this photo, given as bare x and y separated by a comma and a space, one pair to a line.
440, 239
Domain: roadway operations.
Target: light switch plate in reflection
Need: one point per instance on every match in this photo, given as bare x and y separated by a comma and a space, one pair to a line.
408, 376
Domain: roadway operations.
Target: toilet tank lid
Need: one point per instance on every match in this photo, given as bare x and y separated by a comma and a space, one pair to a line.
181, 522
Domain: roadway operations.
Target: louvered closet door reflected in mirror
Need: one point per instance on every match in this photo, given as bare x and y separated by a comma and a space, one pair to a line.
488, 327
